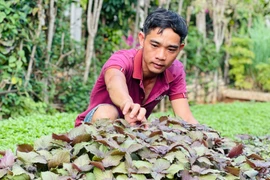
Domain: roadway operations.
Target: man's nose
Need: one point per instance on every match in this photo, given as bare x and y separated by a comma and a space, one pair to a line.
161, 54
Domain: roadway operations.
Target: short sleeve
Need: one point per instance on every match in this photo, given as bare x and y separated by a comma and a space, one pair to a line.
178, 85
121, 60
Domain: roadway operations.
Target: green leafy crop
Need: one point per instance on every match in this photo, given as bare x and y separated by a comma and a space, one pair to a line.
168, 149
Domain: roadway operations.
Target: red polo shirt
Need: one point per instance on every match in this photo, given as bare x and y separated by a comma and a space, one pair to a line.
170, 83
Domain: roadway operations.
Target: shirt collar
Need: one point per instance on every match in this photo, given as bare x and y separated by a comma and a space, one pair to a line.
137, 71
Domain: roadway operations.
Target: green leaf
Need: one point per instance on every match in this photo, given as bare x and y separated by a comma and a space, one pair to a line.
121, 168
200, 150
2, 16
112, 160
21, 53
99, 174
179, 155
44, 142
78, 147
59, 157
90, 176
12, 59
139, 176
18, 170
209, 177
173, 169
31, 157
161, 165
122, 177
73, 133
140, 164
49, 175
83, 162
3, 172
205, 161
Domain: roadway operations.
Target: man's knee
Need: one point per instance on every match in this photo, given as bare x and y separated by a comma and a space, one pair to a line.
105, 111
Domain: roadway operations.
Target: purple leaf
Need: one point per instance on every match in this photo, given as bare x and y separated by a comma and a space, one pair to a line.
236, 151
8, 160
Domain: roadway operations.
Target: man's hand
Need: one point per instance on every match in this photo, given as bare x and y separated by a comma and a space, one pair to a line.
134, 113
182, 110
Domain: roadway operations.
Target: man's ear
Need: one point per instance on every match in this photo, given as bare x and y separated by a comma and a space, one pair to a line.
181, 46
141, 37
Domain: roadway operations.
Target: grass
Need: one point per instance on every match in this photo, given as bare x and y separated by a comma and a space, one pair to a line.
26, 129
251, 118
229, 119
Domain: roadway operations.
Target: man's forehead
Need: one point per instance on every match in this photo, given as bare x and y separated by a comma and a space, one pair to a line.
167, 36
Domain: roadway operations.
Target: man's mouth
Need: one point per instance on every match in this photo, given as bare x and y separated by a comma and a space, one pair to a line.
158, 66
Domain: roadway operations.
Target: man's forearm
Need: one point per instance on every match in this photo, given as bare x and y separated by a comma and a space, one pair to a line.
117, 88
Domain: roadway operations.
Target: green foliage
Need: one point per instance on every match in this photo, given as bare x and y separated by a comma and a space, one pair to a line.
168, 149
19, 29
201, 52
235, 118
118, 18
107, 42
263, 76
75, 95
16, 29
241, 56
118, 13
260, 36
22, 106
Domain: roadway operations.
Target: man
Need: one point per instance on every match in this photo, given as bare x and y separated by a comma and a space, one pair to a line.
132, 82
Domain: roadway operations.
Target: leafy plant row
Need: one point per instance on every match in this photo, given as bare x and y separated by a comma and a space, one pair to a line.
168, 149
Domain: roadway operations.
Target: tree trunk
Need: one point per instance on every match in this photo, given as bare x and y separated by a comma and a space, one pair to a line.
168, 4
180, 6
215, 93
189, 12
52, 15
93, 14
32, 56
227, 57
76, 21
219, 26
136, 29
219, 22
201, 20
146, 6
201, 26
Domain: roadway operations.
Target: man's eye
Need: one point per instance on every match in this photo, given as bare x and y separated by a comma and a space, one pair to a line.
154, 45
172, 50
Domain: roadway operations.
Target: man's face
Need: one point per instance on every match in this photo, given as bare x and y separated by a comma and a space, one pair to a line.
159, 50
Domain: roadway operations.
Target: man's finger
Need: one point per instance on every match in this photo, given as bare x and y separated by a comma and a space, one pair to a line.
135, 110
126, 108
141, 114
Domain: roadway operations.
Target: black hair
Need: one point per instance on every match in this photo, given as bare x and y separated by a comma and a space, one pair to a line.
163, 18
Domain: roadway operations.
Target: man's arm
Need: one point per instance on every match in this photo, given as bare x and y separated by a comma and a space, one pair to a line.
115, 81
116, 85
181, 109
